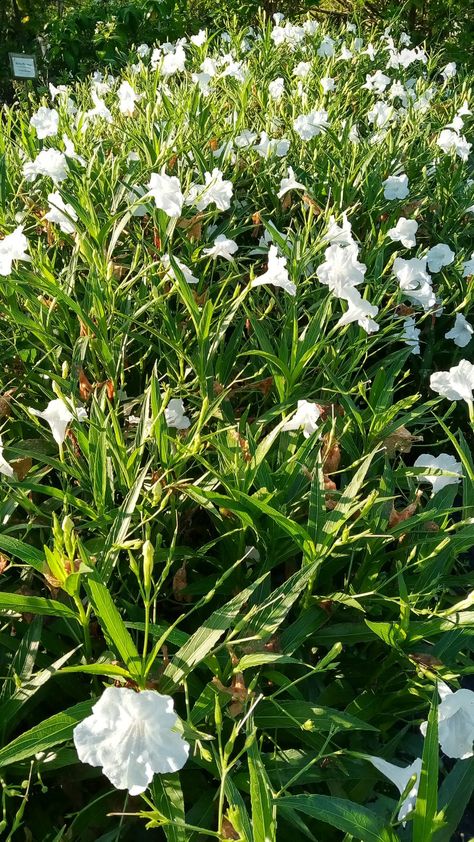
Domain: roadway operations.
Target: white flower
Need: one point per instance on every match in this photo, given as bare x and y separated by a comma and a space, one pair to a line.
411, 334
455, 722
290, 183
131, 736
100, 110
173, 62
276, 89
404, 232
188, 275
166, 191
449, 140
327, 83
45, 121
199, 39
223, 247
414, 280
359, 310
377, 82
127, 99
339, 234
276, 274
443, 462
326, 49
306, 416
456, 384
381, 113
214, 189
400, 776
5, 468
143, 51
174, 415
245, 139
137, 192
439, 256
449, 70
468, 265
70, 151
271, 146
310, 125
61, 213
49, 162
13, 247
396, 187
58, 417
302, 69
461, 333
341, 269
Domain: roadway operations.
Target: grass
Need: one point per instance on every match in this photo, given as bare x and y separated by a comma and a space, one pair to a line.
301, 595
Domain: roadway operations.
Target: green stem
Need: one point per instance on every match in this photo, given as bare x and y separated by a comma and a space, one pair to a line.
84, 621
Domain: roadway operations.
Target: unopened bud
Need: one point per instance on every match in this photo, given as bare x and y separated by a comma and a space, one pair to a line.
68, 535
65, 369
148, 561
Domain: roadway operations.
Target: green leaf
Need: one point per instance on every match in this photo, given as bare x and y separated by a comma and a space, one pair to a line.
23, 551
57, 729
291, 713
263, 807
344, 815
113, 626
427, 799
167, 797
454, 795
35, 605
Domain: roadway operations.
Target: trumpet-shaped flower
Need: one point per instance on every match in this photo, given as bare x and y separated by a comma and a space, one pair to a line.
414, 280
306, 417
404, 232
449, 140
214, 190
455, 722
49, 162
127, 99
61, 213
468, 265
223, 247
13, 247
310, 125
411, 334
99, 111
339, 234
188, 275
166, 191
439, 256
400, 776
461, 333
443, 462
341, 269
276, 274
290, 183
70, 151
377, 82
396, 187
327, 83
5, 467
359, 310
59, 416
199, 39
131, 736
174, 415
456, 384
45, 121
276, 88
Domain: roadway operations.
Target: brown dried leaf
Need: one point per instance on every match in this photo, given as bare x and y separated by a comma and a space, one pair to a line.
22, 466
180, 582
400, 440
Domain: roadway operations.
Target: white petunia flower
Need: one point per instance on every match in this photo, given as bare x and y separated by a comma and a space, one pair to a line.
45, 121
404, 232
450, 140
327, 83
131, 736
468, 265
461, 333
400, 776
49, 162
443, 462
358, 310
223, 247
290, 183
143, 51
5, 468
310, 125
127, 99
415, 281
396, 187
456, 384
13, 247
306, 416
276, 274
449, 71
166, 191
58, 416
174, 415
268, 146
326, 48
455, 722
214, 190
188, 275
245, 139
61, 213
302, 69
411, 334
439, 256
173, 62
276, 89
341, 269
377, 82
339, 234
199, 39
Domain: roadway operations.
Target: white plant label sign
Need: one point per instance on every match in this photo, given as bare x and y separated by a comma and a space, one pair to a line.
23, 66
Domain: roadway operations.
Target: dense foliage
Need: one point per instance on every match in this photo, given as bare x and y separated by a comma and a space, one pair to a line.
297, 579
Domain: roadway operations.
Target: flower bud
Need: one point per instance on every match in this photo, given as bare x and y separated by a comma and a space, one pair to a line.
65, 369
68, 535
148, 553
